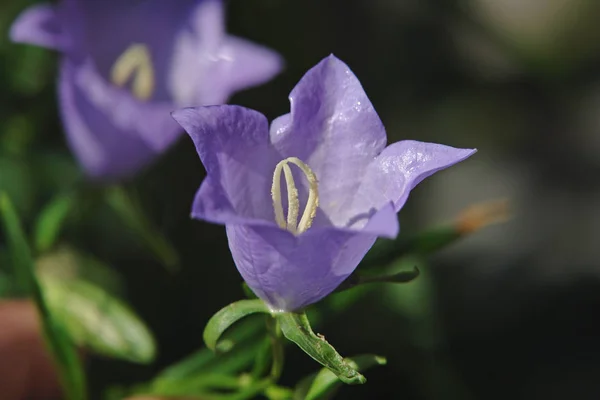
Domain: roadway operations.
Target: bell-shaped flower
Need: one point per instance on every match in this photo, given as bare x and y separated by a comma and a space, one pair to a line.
127, 64
303, 201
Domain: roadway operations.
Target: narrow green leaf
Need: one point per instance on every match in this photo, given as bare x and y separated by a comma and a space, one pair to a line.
187, 378
470, 220
97, 320
322, 384
5, 285
250, 391
364, 277
222, 364
17, 181
262, 359
386, 251
245, 336
248, 292
196, 385
275, 392
131, 213
227, 316
296, 327
51, 220
60, 344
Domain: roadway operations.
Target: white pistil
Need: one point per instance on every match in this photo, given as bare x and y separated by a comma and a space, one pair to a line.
135, 63
291, 222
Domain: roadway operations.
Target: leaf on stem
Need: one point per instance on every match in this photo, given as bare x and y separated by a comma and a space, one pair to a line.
296, 327
97, 320
226, 317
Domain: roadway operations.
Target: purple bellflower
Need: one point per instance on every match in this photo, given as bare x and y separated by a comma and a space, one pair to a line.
303, 201
128, 63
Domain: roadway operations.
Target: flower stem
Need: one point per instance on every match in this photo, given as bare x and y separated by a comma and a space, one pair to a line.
277, 349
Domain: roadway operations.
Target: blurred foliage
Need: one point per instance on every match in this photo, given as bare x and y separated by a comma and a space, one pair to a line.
507, 314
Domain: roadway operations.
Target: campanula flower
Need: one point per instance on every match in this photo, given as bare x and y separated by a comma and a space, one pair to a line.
128, 63
303, 201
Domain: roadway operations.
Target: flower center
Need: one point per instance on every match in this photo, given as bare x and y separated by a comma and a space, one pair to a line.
135, 64
310, 211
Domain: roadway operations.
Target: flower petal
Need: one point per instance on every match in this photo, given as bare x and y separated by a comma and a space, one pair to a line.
218, 71
333, 128
38, 25
395, 172
109, 132
152, 23
290, 272
233, 144
246, 64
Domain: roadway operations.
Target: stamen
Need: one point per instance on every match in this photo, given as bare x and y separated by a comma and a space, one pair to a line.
291, 222
293, 202
135, 63
276, 196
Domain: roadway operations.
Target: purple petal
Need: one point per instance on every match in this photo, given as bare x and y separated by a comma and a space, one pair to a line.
233, 144
290, 272
396, 171
334, 128
246, 64
218, 72
208, 23
38, 25
112, 135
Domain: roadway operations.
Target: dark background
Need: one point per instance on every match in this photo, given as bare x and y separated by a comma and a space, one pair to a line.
508, 313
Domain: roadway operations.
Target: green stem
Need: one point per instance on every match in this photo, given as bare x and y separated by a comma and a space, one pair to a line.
277, 348
130, 211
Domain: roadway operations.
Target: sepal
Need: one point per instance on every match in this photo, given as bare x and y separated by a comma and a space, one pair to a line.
226, 317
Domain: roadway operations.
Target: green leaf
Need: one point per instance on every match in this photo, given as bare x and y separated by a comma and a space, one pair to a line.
387, 251
250, 391
470, 220
227, 316
375, 276
16, 180
67, 263
5, 285
97, 320
275, 392
187, 378
262, 359
296, 327
196, 385
324, 383
60, 344
51, 220
245, 335
130, 212
207, 377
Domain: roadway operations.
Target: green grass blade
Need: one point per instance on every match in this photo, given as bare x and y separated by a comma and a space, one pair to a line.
59, 343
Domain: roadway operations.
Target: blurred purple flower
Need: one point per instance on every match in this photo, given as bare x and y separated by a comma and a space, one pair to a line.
128, 63
342, 186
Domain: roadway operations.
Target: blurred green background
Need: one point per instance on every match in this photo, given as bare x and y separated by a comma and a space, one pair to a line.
507, 313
